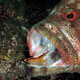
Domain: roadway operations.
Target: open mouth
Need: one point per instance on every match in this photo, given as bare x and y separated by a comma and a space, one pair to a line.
40, 46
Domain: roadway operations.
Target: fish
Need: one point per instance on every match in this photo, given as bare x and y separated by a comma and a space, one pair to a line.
54, 43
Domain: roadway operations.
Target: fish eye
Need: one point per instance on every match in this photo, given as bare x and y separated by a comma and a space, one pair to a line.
71, 16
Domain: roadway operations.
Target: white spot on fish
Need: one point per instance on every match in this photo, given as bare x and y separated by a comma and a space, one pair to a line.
65, 33
53, 11
59, 61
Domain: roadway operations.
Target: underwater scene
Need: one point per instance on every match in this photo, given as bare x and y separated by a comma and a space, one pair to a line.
39, 40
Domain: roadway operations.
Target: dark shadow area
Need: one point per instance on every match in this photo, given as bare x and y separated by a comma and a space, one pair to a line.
37, 10
62, 76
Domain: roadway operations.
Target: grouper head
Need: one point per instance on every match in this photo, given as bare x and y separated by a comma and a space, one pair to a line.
54, 43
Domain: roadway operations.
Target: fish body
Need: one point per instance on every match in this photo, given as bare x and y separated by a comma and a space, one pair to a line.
60, 31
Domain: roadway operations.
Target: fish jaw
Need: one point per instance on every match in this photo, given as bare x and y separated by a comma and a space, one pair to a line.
45, 59
41, 50
37, 51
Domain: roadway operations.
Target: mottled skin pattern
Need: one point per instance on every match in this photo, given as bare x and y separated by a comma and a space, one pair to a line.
11, 43
64, 33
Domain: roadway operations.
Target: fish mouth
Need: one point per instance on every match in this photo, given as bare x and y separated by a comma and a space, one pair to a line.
40, 46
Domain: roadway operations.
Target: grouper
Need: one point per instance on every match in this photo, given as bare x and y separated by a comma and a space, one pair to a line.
54, 43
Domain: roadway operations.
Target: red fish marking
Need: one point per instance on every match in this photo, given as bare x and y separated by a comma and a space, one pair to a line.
55, 41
